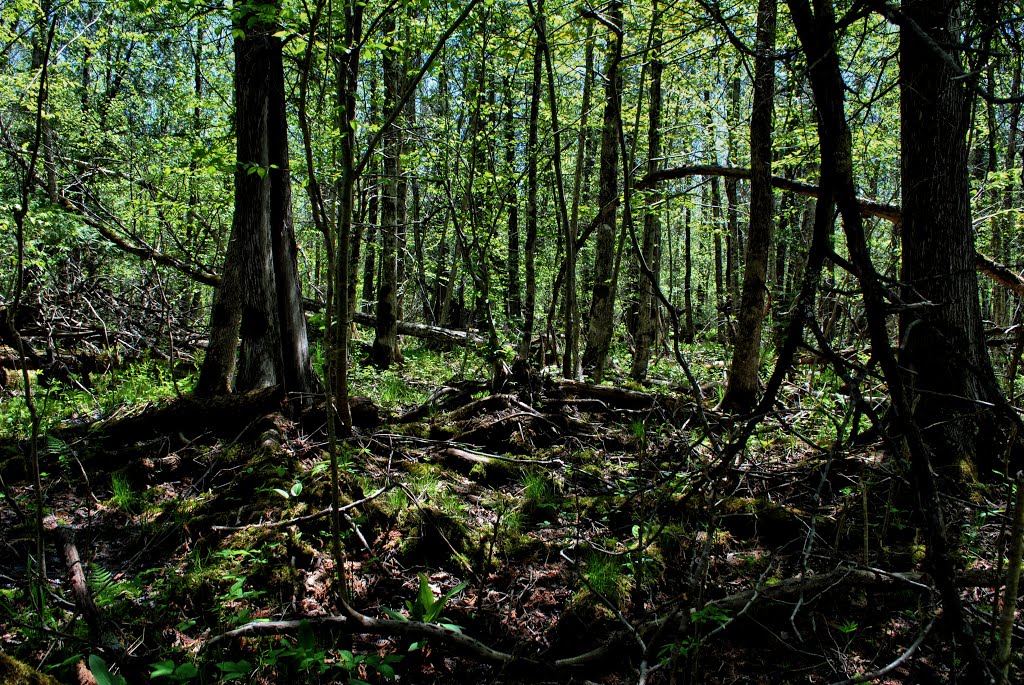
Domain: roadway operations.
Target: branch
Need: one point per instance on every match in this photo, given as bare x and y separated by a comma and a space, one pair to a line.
906, 24
999, 273
868, 207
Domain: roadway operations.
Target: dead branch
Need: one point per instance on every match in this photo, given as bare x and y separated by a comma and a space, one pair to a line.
305, 518
418, 330
99, 632
840, 580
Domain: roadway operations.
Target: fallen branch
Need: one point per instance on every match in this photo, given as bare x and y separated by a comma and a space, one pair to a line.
354, 622
98, 631
305, 518
419, 330
892, 213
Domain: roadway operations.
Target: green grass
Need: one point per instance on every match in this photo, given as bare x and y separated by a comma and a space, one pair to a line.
138, 383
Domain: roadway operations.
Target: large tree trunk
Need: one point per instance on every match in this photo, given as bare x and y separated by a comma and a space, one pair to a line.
943, 353
260, 301
297, 371
817, 35
259, 361
741, 390
599, 335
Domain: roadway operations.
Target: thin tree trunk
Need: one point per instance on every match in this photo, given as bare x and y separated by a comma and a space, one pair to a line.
513, 286
646, 304
688, 277
532, 153
385, 344
571, 360
599, 336
741, 389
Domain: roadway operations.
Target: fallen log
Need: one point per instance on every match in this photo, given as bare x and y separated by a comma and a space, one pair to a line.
616, 398
420, 330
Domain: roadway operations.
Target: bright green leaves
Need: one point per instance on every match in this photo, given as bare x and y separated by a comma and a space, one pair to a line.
427, 608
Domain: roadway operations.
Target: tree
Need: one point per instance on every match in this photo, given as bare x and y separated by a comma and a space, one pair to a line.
385, 342
741, 390
646, 307
602, 303
942, 343
260, 299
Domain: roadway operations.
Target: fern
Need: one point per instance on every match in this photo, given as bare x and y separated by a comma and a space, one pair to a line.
102, 585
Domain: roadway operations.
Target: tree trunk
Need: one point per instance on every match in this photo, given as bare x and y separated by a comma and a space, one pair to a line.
529, 312
732, 235
385, 344
943, 355
571, 358
260, 300
690, 332
599, 335
370, 255
514, 295
646, 305
741, 389
297, 371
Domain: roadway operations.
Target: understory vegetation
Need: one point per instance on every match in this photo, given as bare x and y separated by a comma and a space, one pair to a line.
546, 522
490, 341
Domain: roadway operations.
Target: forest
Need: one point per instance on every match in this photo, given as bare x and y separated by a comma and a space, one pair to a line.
488, 341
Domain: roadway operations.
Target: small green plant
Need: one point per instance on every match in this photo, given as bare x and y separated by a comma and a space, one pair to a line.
177, 673
605, 575
122, 494
848, 627
427, 608
538, 491
305, 655
294, 491
234, 670
101, 672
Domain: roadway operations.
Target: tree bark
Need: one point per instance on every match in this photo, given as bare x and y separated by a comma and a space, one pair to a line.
943, 355
599, 335
741, 389
530, 248
646, 305
385, 344
260, 300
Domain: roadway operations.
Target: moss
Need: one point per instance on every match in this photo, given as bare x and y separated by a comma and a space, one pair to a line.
14, 672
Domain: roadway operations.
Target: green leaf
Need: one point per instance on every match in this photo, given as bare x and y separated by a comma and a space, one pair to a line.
435, 611
296, 490
426, 598
101, 672
395, 615
162, 669
234, 670
187, 671
283, 493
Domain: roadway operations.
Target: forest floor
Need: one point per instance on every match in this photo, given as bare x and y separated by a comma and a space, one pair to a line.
590, 532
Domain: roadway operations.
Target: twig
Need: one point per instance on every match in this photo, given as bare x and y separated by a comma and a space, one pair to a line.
875, 675
307, 517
